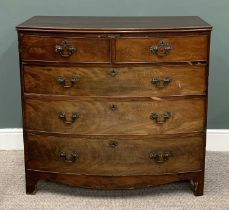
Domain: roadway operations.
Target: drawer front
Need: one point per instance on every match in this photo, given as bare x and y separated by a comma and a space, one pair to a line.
75, 50
115, 117
162, 49
108, 156
124, 81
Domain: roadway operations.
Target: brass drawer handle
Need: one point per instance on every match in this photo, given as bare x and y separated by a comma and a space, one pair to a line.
61, 80
74, 116
159, 157
162, 119
113, 72
73, 158
65, 49
161, 83
162, 49
113, 144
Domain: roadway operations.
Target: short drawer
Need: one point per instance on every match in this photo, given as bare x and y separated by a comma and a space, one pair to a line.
162, 49
66, 49
110, 155
121, 81
120, 116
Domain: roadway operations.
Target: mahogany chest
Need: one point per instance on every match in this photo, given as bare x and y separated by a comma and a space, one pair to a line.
114, 102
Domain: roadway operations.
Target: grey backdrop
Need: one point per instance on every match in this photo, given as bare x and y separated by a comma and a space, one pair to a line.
13, 12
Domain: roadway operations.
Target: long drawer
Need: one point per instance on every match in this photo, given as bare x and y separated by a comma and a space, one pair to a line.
65, 49
162, 49
121, 81
108, 155
120, 116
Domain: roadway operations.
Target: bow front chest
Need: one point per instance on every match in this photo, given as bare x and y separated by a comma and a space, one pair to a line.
114, 102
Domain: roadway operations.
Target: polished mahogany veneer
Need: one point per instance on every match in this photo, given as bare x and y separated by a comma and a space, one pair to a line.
114, 102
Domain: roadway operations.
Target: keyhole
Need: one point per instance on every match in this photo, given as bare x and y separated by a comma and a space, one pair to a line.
114, 107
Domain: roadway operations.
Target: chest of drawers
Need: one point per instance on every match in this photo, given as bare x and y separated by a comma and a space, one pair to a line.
114, 102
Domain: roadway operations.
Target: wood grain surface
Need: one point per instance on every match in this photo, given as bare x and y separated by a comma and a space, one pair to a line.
42, 48
129, 157
90, 23
130, 117
116, 81
185, 48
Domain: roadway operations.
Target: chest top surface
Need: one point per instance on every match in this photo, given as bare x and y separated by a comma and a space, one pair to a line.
90, 23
